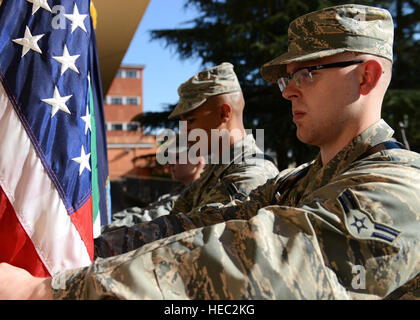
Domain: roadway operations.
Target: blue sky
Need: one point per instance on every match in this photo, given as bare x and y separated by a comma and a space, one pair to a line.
164, 70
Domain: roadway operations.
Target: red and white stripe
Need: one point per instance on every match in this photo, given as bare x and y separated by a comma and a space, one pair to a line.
36, 232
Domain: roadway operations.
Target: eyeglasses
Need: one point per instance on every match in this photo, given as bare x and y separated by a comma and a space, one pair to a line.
304, 75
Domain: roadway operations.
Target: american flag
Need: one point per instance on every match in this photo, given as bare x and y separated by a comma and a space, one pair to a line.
53, 161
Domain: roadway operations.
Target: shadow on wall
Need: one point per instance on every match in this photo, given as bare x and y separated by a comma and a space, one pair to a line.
138, 191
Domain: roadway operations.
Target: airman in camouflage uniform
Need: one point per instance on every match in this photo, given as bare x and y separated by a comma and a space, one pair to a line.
345, 226
186, 173
246, 168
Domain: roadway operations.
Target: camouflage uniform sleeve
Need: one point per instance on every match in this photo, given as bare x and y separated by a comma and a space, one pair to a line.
125, 239
250, 176
135, 215
184, 203
265, 257
239, 181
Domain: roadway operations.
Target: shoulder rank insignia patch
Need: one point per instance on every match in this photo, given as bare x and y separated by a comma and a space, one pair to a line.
360, 224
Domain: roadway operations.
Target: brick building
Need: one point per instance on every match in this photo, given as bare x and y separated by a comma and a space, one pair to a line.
128, 147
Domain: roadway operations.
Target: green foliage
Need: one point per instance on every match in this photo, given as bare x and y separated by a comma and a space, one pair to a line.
248, 33
152, 120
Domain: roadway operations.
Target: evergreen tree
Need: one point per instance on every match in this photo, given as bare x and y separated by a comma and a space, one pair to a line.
248, 33
402, 102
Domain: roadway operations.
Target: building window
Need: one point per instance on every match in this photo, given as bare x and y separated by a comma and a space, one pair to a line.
116, 126
128, 73
125, 126
133, 126
131, 74
131, 101
116, 100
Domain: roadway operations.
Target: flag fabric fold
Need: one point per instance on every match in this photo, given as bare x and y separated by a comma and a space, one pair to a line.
50, 86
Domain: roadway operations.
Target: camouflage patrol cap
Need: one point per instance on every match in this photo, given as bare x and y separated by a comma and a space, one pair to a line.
205, 84
334, 30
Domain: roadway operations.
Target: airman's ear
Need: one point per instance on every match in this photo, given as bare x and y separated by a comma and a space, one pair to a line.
225, 112
369, 79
